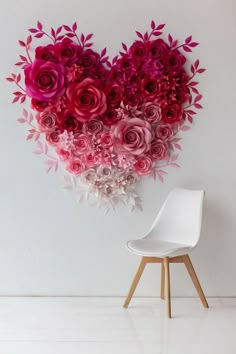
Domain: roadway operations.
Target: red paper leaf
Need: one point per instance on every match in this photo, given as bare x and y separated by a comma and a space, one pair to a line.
198, 106
67, 28
114, 60
157, 33
124, 46
82, 38
23, 98
186, 49
153, 25
193, 44
59, 30
188, 39
59, 38
19, 63
33, 30
139, 34
170, 39
53, 33
194, 90
190, 119
10, 79
70, 35
196, 63
198, 98
22, 44
103, 52
192, 69
39, 26
193, 83
200, 71
174, 43
189, 111
39, 35
17, 93
145, 36
161, 26
21, 120
89, 36
23, 58
29, 40
74, 26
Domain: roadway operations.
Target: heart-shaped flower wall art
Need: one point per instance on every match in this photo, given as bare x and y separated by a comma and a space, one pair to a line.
109, 123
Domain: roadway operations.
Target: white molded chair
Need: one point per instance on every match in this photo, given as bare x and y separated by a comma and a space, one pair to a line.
174, 233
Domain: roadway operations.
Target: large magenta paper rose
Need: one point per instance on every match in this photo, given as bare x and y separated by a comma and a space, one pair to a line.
132, 136
44, 80
86, 100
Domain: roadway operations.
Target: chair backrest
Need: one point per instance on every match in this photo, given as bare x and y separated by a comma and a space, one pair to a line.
180, 217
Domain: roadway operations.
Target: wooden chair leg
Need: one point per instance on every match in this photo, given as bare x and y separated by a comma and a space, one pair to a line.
162, 281
167, 285
195, 280
135, 282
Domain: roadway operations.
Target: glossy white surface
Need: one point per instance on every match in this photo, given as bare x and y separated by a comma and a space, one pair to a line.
102, 326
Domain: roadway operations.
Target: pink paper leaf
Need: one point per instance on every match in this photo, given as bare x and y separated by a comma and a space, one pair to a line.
21, 120
29, 136
175, 165
184, 128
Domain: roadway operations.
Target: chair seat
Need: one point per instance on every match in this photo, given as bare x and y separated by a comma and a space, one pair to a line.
156, 248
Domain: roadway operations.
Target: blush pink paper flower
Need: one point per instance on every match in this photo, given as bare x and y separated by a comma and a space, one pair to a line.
75, 166
132, 136
143, 165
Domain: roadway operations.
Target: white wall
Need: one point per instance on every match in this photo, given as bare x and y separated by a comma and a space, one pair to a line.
49, 245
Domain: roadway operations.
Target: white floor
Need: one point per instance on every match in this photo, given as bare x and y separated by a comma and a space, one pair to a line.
102, 326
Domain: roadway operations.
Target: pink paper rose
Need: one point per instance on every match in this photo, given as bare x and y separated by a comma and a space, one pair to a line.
75, 166
158, 150
44, 80
106, 140
81, 143
62, 154
46, 121
86, 100
151, 112
93, 127
132, 136
164, 132
143, 165
53, 138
